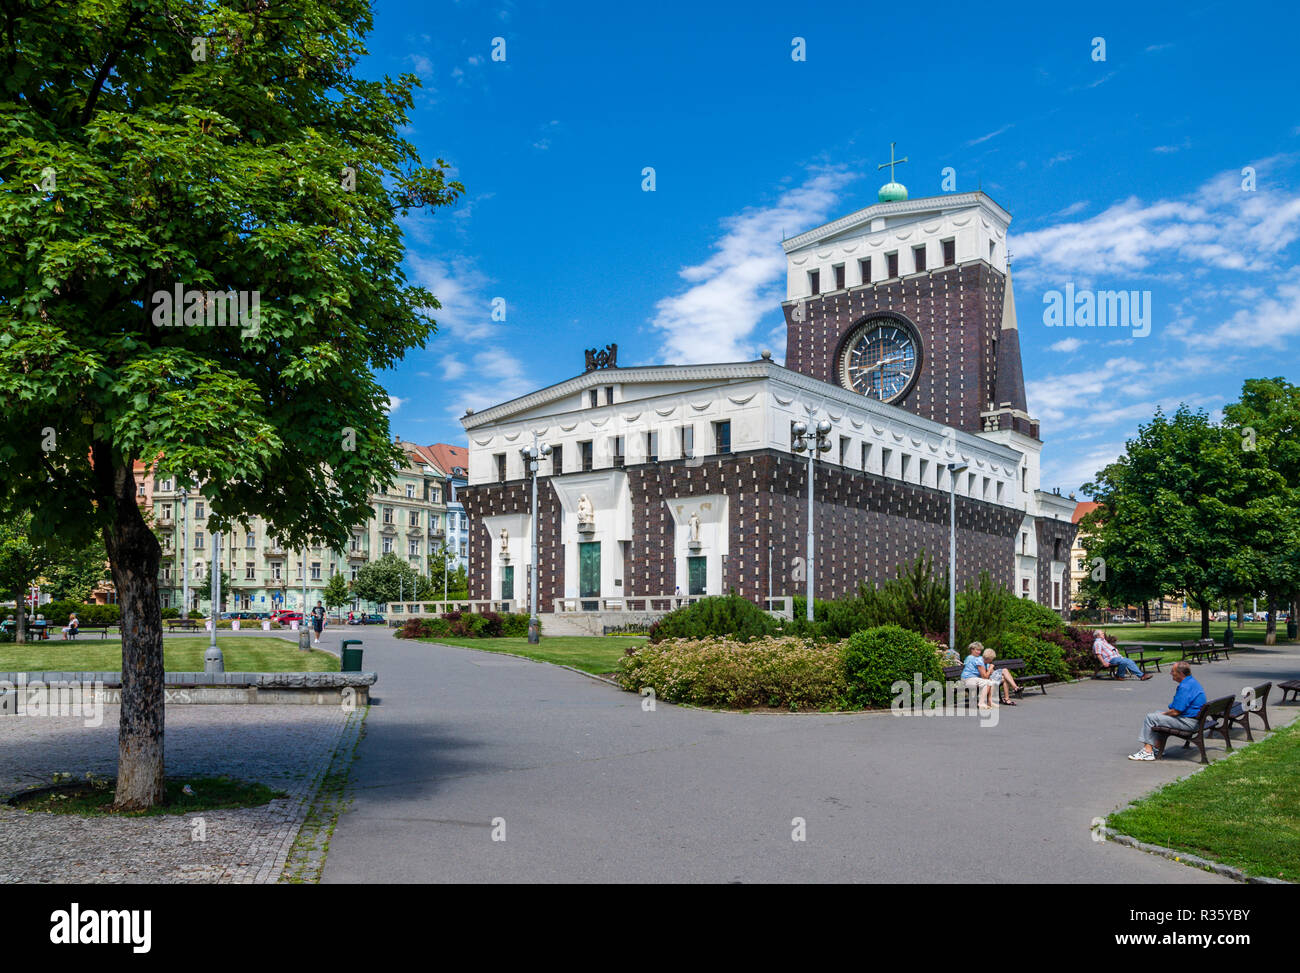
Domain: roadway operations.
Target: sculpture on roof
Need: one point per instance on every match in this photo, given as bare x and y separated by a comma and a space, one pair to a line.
608, 358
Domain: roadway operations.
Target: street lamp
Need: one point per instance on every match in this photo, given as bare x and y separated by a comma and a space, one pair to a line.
803, 439
531, 455
953, 469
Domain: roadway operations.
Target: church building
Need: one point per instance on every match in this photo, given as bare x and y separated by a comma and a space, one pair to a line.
689, 480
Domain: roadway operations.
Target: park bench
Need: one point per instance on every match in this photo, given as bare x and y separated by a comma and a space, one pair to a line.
1212, 719
83, 629
36, 633
1292, 687
184, 624
1017, 667
1199, 651
1142, 656
1238, 715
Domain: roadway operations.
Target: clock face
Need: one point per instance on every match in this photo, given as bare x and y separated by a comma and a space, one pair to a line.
880, 359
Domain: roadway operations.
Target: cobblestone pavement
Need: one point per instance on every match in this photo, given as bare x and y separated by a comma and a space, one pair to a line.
284, 747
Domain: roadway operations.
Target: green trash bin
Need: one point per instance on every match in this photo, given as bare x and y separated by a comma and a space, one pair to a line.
351, 657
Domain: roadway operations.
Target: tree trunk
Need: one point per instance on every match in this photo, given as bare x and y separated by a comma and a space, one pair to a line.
1241, 612
134, 554
1205, 619
1146, 614
1270, 631
20, 617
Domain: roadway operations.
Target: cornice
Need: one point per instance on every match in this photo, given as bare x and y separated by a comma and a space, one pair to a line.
902, 207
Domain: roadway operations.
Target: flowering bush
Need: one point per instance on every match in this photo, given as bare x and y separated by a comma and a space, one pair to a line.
465, 625
771, 671
877, 658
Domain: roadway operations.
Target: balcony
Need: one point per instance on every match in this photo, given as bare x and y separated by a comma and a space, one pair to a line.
273, 552
362, 555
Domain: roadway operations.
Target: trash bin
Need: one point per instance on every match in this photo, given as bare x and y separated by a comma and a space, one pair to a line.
351, 657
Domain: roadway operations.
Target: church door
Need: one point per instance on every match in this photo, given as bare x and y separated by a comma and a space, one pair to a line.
697, 571
589, 569
507, 583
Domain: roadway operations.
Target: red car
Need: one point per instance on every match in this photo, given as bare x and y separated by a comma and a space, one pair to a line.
284, 616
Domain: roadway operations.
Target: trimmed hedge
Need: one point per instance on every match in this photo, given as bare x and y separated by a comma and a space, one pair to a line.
465, 625
877, 658
1040, 655
730, 616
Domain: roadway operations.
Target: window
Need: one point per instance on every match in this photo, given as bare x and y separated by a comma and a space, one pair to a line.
410, 491
844, 450
167, 572
388, 545
722, 436
557, 460
1056, 594
315, 570
414, 549
584, 454
198, 510
864, 270
886, 456
167, 596
413, 518
435, 494
866, 456
609, 395
688, 441
993, 249
139, 490
277, 570
1024, 587
500, 460
299, 570
918, 258
814, 282
356, 543
838, 270
616, 443
594, 397
198, 569
198, 540
949, 252
1024, 542
905, 463
249, 571
1024, 479
652, 447
464, 549
250, 541
352, 573
388, 515
970, 484
891, 264
925, 472
165, 512
1000, 488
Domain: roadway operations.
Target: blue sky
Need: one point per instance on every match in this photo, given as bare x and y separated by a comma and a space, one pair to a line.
1121, 174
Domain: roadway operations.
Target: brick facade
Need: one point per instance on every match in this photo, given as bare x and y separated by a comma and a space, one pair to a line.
1055, 538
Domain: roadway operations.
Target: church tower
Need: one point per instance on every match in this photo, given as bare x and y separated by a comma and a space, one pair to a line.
909, 301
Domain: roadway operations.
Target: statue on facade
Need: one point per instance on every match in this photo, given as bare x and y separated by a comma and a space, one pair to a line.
505, 541
586, 512
597, 358
694, 525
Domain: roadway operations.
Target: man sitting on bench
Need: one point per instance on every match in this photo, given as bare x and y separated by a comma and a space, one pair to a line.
1109, 656
1188, 699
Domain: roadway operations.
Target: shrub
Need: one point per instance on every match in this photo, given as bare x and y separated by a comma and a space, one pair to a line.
728, 615
877, 658
791, 673
1030, 618
465, 625
413, 628
1040, 655
516, 625
982, 613
57, 612
170, 612
1076, 649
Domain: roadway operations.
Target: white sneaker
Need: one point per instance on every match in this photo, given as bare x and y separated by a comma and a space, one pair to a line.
1142, 754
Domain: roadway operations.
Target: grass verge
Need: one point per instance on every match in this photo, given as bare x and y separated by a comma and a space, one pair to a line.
596, 654
243, 653
1243, 810
94, 796
306, 858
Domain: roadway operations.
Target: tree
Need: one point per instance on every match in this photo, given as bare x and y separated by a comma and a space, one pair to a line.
21, 563
390, 579
1172, 507
457, 580
337, 591
75, 572
223, 153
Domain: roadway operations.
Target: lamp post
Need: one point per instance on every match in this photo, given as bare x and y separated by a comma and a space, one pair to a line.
820, 443
531, 455
953, 470
214, 660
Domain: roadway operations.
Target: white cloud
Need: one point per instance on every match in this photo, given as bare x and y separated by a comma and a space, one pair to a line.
990, 135
1067, 345
745, 278
394, 403
452, 368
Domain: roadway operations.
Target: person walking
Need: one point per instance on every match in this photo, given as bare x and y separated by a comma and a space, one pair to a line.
318, 620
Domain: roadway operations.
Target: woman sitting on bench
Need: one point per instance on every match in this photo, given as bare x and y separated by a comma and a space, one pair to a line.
999, 677
70, 630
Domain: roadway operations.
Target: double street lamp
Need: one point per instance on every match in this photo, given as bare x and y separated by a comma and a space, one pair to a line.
953, 469
814, 443
532, 455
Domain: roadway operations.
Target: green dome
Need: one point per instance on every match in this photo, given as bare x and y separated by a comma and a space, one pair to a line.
892, 192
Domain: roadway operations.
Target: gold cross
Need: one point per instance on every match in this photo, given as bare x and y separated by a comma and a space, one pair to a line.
892, 161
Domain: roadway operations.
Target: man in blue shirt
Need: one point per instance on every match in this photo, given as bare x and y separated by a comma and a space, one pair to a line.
1188, 699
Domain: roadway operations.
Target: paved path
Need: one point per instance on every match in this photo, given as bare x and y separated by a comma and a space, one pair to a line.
592, 788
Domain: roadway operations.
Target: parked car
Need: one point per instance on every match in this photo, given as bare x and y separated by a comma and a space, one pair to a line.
285, 617
367, 619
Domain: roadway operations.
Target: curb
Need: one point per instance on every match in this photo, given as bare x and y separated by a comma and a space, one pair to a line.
1183, 858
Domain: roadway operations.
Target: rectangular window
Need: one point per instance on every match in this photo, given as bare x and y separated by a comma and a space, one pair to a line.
864, 270
918, 258
584, 452
609, 395
722, 436
970, 484
414, 549
249, 571
277, 567
315, 570
925, 472
814, 282
557, 461
616, 443
198, 540
1024, 542
413, 518
167, 572
198, 511
886, 455
1000, 490
949, 252
688, 441
352, 573
866, 456
139, 490
891, 264
388, 545
652, 447
993, 249
905, 464
1024, 587
1056, 594
165, 512
356, 543
250, 541
388, 515
838, 270
594, 398
410, 491
198, 569
845, 442
500, 460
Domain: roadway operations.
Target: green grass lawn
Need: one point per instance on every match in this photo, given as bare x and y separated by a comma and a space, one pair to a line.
243, 653
1251, 633
1243, 810
590, 653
